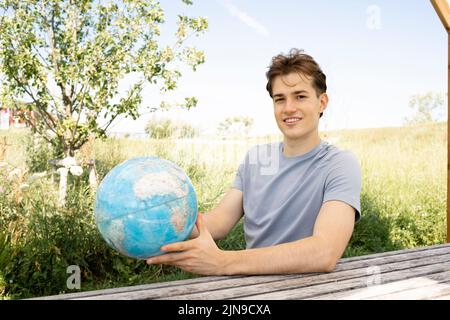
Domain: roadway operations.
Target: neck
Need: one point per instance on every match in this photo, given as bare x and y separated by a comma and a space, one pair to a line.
298, 147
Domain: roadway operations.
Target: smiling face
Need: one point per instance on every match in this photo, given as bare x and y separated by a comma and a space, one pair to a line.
297, 107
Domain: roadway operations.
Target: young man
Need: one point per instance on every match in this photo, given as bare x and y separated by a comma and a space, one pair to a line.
299, 214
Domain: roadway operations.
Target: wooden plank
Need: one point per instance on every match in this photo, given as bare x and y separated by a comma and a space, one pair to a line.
186, 289
396, 287
443, 10
402, 255
396, 252
351, 284
150, 286
205, 288
425, 292
442, 297
360, 276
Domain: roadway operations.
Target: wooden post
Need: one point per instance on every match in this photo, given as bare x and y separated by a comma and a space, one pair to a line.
443, 10
92, 176
63, 171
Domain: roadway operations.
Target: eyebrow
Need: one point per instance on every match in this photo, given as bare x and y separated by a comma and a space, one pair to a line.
294, 93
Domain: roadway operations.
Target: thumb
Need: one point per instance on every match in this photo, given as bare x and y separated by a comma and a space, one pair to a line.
201, 226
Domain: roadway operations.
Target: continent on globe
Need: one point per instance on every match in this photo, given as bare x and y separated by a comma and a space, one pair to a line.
143, 204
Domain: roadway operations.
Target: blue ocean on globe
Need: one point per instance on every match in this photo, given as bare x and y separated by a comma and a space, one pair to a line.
143, 204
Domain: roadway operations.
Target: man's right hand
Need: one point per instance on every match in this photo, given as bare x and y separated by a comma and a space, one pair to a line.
194, 234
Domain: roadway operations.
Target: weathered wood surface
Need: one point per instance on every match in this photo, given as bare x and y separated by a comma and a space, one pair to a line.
420, 273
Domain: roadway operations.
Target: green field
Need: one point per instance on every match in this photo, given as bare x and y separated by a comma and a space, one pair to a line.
403, 204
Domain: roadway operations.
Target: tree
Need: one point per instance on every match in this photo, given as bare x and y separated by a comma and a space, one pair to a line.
160, 128
67, 56
237, 126
186, 130
427, 108
163, 128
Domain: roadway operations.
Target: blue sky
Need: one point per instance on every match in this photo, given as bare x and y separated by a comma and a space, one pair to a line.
376, 54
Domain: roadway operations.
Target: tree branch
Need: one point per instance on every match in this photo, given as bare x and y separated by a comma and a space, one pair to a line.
110, 121
39, 106
42, 60
61, 85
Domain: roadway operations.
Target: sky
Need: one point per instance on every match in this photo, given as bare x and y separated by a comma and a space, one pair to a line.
375, 54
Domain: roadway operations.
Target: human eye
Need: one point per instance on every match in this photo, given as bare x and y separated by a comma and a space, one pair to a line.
301, 97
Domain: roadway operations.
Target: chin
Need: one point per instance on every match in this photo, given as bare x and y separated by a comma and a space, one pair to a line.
295, 135
291, 136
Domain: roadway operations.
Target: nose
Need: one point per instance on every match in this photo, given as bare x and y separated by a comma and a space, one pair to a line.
290, 106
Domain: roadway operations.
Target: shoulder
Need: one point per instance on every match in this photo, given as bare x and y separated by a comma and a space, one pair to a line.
336, 155
340, 163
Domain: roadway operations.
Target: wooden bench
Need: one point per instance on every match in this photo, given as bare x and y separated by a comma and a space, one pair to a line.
420, 273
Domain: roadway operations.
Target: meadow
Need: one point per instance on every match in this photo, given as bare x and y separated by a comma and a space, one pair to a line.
403, 203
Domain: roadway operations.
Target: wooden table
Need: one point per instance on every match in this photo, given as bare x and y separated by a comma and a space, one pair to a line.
420, 273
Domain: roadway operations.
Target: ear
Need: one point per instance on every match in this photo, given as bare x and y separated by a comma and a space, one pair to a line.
323, 101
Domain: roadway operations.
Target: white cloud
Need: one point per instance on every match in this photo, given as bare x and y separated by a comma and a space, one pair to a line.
245, 18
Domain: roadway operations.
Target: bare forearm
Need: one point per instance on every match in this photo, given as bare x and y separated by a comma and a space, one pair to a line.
212, 224
306, 255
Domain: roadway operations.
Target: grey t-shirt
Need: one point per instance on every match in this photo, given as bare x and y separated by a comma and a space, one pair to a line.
283, 195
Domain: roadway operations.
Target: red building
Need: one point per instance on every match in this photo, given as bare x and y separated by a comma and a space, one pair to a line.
13, 118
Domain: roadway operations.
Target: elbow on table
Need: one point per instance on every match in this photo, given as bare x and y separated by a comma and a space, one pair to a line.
328, 257
329, 263
329, 266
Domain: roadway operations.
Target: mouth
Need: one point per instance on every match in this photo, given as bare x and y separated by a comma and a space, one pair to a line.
292, 120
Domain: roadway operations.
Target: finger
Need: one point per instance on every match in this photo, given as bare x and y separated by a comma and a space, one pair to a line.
177, 246
169, 258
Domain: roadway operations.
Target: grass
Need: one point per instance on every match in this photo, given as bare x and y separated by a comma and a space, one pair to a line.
403, 204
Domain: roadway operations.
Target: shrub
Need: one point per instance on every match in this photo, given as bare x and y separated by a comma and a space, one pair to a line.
39, 152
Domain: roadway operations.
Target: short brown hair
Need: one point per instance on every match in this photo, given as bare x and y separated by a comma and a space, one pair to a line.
297, 61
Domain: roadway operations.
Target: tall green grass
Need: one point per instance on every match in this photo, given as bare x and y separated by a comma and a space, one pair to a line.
404, 186
403, 204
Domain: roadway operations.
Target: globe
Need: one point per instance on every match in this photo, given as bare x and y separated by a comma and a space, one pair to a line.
143, 204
